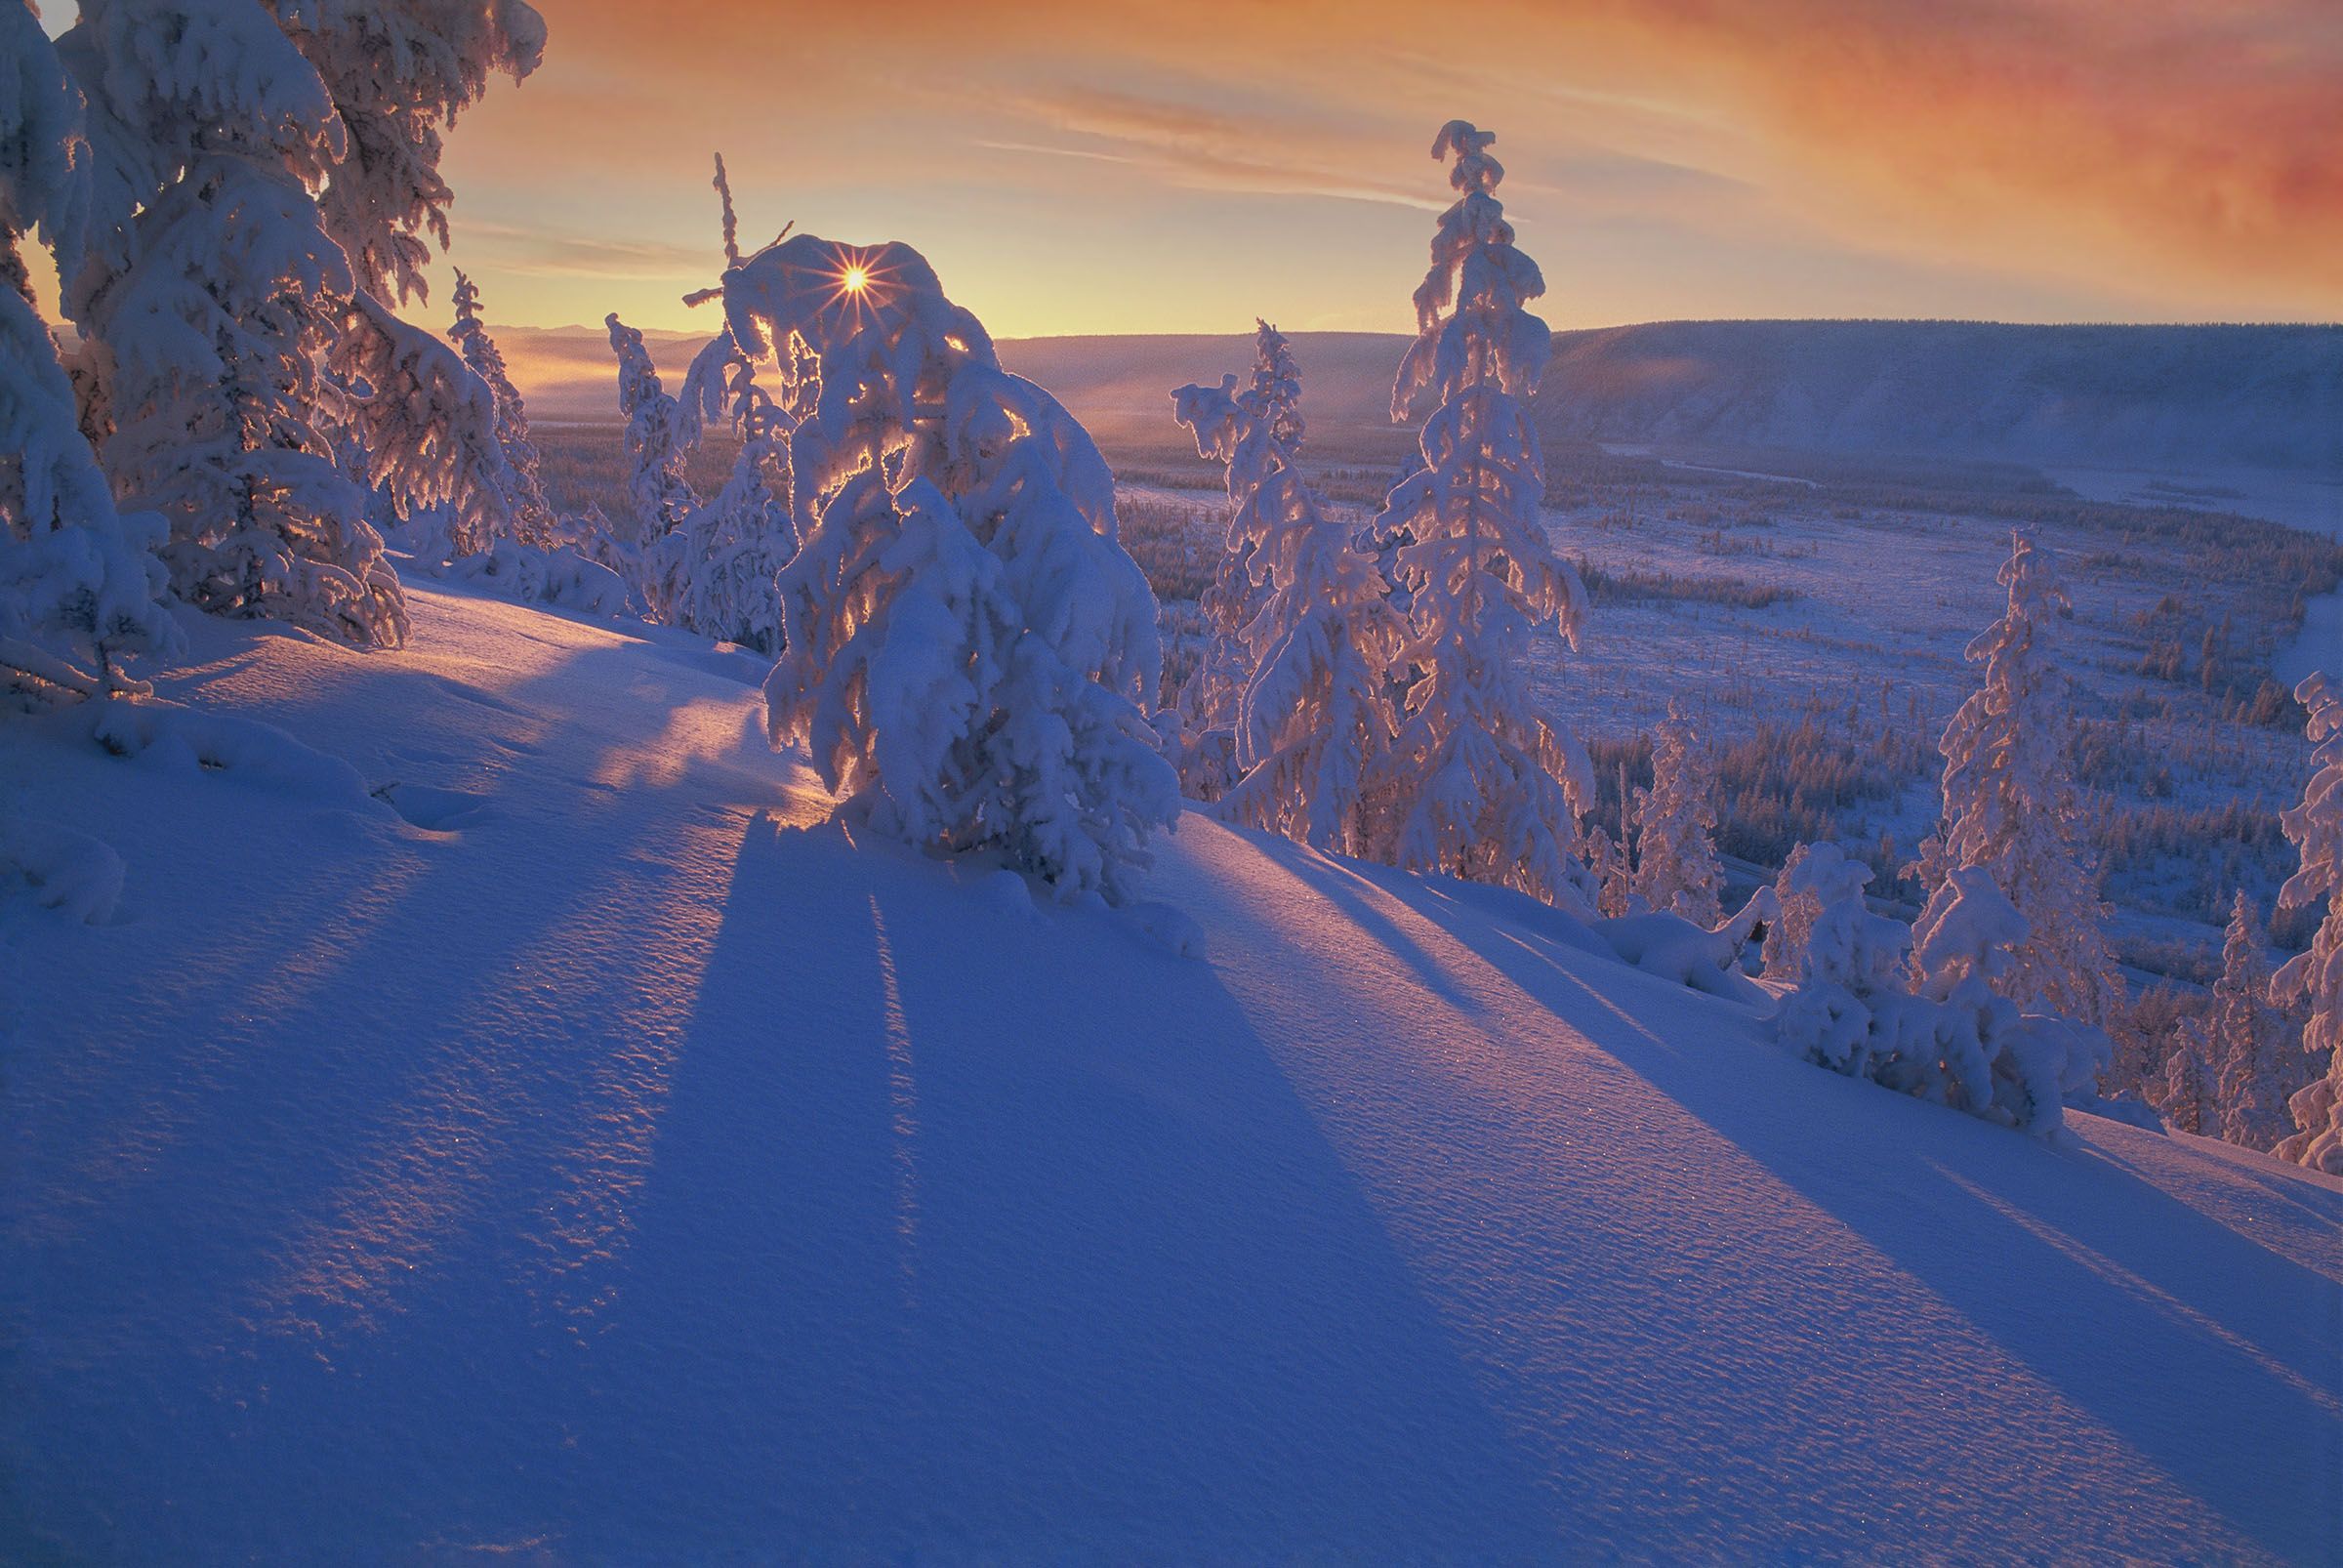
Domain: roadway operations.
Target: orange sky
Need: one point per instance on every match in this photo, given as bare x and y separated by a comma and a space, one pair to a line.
1097, 166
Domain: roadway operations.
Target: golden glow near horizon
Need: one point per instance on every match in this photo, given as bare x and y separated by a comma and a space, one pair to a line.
857, 278
1072, 168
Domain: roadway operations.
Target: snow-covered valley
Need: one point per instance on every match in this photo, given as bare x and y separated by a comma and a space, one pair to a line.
573, 1150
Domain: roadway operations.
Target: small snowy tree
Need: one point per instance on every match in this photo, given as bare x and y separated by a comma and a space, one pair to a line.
80, 586
1676, 866
1312, 714
1848, 1008
523, 491
2011, 809
1949, 1035
1986, 1057
423, 427
2316, 826
1492, 792
718, 572
1256, 434
655, 445
1792, 925
2189, 1102
2247, 1046
1614, 875
971, 654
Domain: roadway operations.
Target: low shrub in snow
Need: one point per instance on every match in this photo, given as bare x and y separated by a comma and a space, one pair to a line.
1922, 1016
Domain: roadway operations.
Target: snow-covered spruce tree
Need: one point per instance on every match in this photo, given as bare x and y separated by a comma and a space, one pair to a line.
1984, 1055
654, 447
718, 572
1851, 1006
1787, 934
1253, 433
2011, 809
2315, 976
403, 394
80, 586
210, 297
1312, 714
399, 72
1676, 866
335, 101
1614, 875
970, 653
533, 521
2255, 1060
2189, 1102
1490, 791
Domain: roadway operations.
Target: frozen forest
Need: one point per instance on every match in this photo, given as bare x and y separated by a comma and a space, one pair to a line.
798, 930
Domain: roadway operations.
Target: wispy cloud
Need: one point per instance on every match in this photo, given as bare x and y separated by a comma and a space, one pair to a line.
1208, 148
545, 253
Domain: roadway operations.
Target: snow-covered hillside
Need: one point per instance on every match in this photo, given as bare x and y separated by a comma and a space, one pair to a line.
533, 1133
2175, 399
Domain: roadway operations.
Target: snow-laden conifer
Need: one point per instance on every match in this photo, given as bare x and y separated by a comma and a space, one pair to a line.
523, 485
399, 72
80, 586
2249, 1047
210, 295
1677, 865
1847, 1009
1492, 791
1934, 1025
1792, 925
655, 446
718, 571
214, 286
2315, 976
2190, 1097
2010, 806
1614, 875
423, 433
971, 655
1312, 718
1253, 433
1986, 1057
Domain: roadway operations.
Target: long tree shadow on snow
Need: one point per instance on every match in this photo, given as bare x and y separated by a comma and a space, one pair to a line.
2162, 1303
947, 1258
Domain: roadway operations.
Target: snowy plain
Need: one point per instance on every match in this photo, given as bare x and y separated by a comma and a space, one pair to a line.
536, 1135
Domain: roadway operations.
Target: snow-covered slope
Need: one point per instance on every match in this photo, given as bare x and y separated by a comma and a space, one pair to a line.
571, 1149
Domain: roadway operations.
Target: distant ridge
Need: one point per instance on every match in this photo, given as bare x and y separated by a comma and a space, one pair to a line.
2166, 397
2198, 396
